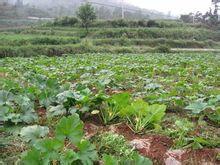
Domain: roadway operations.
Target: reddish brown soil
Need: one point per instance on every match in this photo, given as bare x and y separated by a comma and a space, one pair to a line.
200, 157
92, 119
3, 75
91, 129
157, 147
110, 91
41, 112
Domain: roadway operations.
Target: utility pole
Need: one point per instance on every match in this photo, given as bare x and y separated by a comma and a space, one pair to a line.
193, 18
122, 9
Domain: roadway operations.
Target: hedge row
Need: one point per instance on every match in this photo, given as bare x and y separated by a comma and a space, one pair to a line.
58, 50
172, 33
157, 42
35, 40
74, 22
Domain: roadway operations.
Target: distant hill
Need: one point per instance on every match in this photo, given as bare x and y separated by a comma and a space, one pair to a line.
106, 9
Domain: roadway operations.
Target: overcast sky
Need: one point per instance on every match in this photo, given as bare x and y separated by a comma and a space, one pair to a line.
176, 7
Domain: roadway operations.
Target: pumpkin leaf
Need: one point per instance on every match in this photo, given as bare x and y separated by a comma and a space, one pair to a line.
70, 127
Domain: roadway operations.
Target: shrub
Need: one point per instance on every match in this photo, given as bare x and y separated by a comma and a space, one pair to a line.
65, 21
163, 49
119, 23
152, 23
142, 23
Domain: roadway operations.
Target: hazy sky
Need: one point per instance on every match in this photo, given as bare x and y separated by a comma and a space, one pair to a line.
175, 6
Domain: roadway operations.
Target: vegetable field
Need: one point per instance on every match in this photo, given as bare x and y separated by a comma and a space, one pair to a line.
109, 108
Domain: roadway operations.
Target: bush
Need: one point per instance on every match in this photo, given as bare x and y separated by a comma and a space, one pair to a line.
119, 23
142, 23
163, 49
152, 23
65, 21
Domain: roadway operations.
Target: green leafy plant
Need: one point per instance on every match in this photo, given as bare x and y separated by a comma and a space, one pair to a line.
141, 115
112, 107
70, 128
16, 108
70, 102
211, 108
215, 117
51, 150
180, 132
197, 107
135, 159
114, 144
114, 149
32, 133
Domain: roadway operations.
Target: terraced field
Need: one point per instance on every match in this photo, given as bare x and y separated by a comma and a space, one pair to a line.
41, 40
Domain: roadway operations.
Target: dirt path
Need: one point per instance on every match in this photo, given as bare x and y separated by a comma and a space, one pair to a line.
194, 50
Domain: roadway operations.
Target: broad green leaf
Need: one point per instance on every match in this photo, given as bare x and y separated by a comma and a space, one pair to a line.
63, 97
120, 100
155, 113
152, 86
70, 127
5, 97
215, 116
58, 110
24, 103
29, 117
136, 107
68, 157
87, 153
197, 107
49, 149
141, 115
14, 118
140, 160
48, 145
4, 111
32, 157
109, 160
32, 133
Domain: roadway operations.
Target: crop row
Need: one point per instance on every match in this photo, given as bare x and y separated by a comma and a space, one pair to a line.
176, 95
143, 33
19, 40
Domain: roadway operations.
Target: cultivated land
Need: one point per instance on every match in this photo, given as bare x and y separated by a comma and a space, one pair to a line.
114, 95
52, 40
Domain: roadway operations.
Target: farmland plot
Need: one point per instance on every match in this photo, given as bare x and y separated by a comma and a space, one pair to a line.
93, 108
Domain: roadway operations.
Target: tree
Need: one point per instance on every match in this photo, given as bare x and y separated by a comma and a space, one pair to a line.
187, 18
86, 14
211, 18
